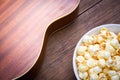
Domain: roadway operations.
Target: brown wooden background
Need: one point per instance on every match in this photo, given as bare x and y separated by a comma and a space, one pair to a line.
57, 62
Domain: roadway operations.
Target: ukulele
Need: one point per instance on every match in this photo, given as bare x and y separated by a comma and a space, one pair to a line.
24, 28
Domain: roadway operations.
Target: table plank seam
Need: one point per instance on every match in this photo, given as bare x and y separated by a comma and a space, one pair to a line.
89, 8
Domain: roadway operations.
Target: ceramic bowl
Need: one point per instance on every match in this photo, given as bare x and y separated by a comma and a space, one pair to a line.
112, 27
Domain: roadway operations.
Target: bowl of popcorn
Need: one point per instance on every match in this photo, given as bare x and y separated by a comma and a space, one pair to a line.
97, 54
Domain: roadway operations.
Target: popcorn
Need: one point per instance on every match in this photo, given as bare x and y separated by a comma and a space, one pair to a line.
118, 51
91, 62
96, 70
105, 70
100, 39
81, 50
102, 76
116, 77
109, 48
102, 63
94, 76
80, 59
118, 73
117, 58
102, 46
103, 54
118, 37
83, 75
92, 49
100, 54
104, 32
97, 39
98, 58
82, 68
111, 73
106, 54
112, 35
115, 43
87, 55
88, 40
91, 71
116, 65
109, 62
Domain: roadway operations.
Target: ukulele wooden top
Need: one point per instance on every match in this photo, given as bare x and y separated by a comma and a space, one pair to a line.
23, 26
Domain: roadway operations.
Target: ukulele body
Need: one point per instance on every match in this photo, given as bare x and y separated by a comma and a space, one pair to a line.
24, 28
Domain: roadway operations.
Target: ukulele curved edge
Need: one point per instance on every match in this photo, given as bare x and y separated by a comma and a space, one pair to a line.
52, 27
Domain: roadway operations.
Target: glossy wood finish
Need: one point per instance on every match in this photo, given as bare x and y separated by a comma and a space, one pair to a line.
23, 28
57, 63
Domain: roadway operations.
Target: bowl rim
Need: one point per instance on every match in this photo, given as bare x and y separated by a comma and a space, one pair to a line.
90, 32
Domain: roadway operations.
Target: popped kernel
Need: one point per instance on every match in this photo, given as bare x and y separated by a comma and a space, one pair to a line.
91, 62
115, 43
109, 62
83, 75
109, 48
87, 55
118, 73
81, 50
82, 68
88, 40
116, 77
106, 55
97, 69
92, 49
111, 73
116, 65
112, 35
94, 76
118, 37
101, 63
105, 70
102, 76
80, 59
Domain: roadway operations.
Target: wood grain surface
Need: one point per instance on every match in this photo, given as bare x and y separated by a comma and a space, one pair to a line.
57, 63
23, 28
57, 60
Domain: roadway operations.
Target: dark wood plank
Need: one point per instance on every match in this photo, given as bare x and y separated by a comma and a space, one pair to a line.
57, 63
86, 5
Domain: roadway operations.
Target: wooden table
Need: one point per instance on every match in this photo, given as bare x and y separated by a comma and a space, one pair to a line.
57, 60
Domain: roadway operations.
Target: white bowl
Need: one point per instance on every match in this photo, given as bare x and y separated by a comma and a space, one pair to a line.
112, 27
